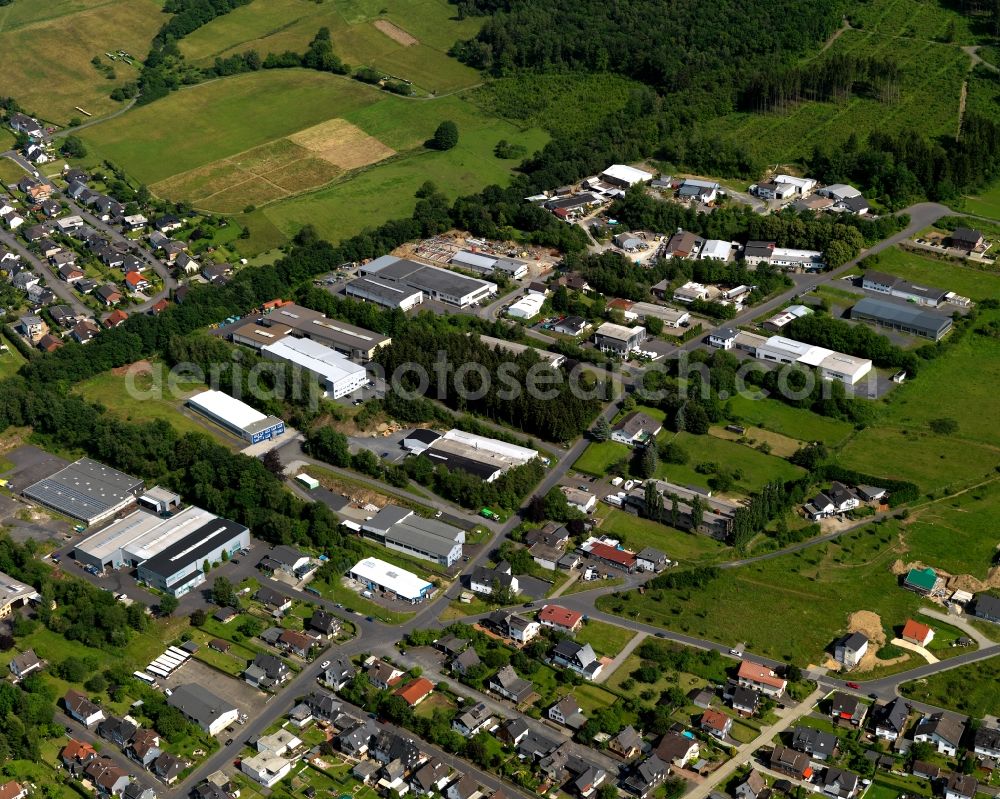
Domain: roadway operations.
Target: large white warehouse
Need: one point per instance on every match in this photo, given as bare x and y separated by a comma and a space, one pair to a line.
832, 365
378, 575
338, 375
237, 416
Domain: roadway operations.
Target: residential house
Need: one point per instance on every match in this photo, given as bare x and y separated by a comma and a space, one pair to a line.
84, 331
118, 731
724, 338
109, 295
279, 743
960, 786
744, 700
49, 343
850, 649
840, 784
13, 790
136, 790
636, 429
966, 239
71, 273
297, 643
464, 788
916, 633
219, 645
382, 675
355, 739
22, 123
791, 763
168, 223
25, 279
322, 705
627, 744
987, 741
987, 607
838, 499
924, 581
416, 691
86, 286
115, 318
461, 663
701, 697
214, 273
649, 559
570, 326
579, 499
145, 747
82, 709
716, 723
577, 657
684, 244
36, 154
136, 282
507, 684
847, 710
76, 754
512, 731
108, 778
63, 315
266, 671
39, 295
24, 664
483, 580
944, 731
159, 307
274, 601
890, 719
560, 618
646, 777
819, 745
761, 678
388, 746
753, 787
339, 673
430, 778
676, 748
473, 720
266, 768
567, 712
325, 623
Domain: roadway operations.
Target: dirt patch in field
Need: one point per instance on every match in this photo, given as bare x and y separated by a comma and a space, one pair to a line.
954, 582
396, 33
139, 367
342, 144
869, 624
780, 445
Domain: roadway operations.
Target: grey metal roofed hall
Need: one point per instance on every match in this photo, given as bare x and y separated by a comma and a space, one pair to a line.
86, 490
902, 316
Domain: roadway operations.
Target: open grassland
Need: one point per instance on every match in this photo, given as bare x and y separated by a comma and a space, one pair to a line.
144, 403
599, 456
815, 589
796, 423
756, 468
637, 533
961, 386
406, 38
11, 359
46, 48
956, 534
985, 203
308, 129
967, 280
931, 76
970, 689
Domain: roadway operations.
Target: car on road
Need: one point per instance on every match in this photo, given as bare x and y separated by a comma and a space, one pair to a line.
229, 741
325, 664
384, 455
661, 635
529, 604
735, 652
369, 618
853, 685
69, 729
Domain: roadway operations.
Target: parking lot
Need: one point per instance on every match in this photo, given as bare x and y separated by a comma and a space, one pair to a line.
238, 693
31, 464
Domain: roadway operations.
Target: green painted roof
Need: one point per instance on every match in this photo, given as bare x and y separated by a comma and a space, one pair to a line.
922, 578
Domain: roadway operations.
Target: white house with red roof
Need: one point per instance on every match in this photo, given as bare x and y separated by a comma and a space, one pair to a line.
560, 618
760, 678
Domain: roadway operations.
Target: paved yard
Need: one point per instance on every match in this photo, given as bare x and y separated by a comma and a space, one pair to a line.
237, 692
31, 464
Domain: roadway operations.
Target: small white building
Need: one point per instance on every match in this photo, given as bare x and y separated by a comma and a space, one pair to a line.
850, 650
724, 338
583, 501
378, 575
266, 768
527, 307
716, 250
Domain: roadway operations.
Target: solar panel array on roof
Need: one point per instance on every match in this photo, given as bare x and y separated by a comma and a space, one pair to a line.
86, 490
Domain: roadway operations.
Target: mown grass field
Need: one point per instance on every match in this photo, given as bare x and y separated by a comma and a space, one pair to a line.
968, 689
795, 423
638, 533
226, 121
931, 71
961, 385
968, 281
756, 467
814, 591
274, 26
46, 48
606, 639
112, 391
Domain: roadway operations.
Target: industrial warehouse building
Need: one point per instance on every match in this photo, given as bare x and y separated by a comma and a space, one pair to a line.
381, 292
337, 375
438, 284
488, 264
377, 575
86, 490
169, 552
179, 568
902, 316
618, 339
401, 529
236, 416
486, 458
903, 289
832, 365
204, 708
14, 594
348, 340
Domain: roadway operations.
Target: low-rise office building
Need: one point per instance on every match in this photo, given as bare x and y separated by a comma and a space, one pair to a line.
618, 339
236, 416
832, 365
377, 575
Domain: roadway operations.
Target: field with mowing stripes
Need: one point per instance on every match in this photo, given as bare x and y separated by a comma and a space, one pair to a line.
46, 48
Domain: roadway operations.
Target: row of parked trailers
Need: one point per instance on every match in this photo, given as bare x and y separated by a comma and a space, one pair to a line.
165, 665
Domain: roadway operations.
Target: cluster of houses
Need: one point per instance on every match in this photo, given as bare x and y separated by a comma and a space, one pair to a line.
803, 195
141, 745
839, 499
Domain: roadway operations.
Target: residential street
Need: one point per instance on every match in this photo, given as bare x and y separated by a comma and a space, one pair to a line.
59, 287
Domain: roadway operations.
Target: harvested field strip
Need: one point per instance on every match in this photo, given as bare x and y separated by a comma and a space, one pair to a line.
396, 33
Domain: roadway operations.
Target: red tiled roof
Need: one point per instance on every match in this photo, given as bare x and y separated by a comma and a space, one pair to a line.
558, 615
715, 719
77, 750
755, 672
10, 789
415, 691
134, 279
115, 318
605, 552
915, 631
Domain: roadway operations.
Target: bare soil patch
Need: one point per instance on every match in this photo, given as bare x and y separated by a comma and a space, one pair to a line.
342, 144
396, 33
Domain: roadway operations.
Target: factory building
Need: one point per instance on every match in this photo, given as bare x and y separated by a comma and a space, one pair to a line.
337, 375
179, 568
438, 284
381, 292
377, 575
236, 416
86, 490
401, 529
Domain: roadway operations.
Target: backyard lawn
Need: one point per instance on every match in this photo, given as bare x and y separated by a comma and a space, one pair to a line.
606, 639
637, 533
599, 456
965, 280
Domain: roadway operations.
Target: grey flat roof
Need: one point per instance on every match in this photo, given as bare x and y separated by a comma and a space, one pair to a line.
420, 539
194, 547
421, 276
312, 324
85, 489
902, 314
390, 293
197, 702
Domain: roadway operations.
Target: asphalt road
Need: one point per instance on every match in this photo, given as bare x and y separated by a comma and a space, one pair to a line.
59, 287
